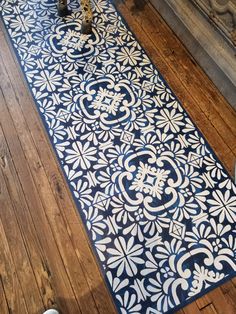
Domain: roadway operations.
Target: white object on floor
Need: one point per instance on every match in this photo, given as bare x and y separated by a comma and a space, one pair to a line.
51, 311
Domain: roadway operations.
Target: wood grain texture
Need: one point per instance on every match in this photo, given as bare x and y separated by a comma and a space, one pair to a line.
57, 266
12, 291
16, 240
3, 300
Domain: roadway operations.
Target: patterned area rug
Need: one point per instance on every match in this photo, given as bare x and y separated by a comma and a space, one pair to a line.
158, 206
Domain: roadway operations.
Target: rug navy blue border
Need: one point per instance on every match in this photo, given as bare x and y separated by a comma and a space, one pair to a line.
192, 299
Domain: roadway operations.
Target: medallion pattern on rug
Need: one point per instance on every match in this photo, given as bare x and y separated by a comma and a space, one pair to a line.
158, 206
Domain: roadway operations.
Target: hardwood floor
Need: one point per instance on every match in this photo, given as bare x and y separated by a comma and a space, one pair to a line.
45, 257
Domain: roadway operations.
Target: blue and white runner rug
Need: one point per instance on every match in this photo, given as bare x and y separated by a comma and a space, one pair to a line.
158, 205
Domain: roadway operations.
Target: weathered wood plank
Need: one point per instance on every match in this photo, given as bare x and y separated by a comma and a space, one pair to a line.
203, 301
191, 309
9, 279
16, 241
209, 309
3, 300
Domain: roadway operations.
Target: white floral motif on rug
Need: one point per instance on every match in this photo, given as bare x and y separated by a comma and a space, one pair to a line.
158, 206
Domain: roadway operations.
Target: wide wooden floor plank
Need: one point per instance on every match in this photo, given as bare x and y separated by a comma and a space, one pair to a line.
9, 279
203, 301
209, 309
3, 300
191, 309
16, 241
